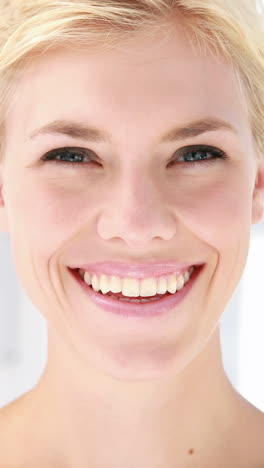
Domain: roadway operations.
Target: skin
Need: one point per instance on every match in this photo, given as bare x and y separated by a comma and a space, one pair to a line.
115, 389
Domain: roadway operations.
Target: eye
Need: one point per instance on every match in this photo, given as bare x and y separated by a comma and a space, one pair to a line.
189, 156
70, 157
198, 154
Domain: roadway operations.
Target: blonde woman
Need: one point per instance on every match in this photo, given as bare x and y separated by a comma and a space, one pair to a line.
132, 169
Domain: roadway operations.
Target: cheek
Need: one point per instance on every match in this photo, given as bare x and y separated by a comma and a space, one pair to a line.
219, 212
219, 215
43, 221
48, 214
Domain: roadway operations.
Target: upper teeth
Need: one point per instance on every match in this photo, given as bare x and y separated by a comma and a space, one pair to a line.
131, 287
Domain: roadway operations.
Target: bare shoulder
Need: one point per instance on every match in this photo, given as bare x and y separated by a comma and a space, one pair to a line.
244, 449
13, 429
9, 434
250, 440
22, 439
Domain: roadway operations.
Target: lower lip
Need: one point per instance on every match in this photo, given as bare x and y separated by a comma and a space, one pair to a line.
132, 309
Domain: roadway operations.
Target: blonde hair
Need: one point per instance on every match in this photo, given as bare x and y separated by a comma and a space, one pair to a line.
232, 27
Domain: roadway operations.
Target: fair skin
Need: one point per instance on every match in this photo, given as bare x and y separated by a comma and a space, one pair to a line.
118, 392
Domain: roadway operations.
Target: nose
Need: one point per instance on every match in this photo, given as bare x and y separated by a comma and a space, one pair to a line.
136, 212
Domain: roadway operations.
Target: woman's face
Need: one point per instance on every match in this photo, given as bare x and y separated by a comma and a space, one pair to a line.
132, 203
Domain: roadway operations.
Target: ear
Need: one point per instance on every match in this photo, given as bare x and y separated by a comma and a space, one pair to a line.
3, 212
258, 195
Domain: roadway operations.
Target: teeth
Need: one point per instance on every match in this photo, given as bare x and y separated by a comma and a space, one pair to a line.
115, 284
172, 284
137, 300
162, 285
131, 287
148, 287
104, 284
180, 282
186, 276
95, 282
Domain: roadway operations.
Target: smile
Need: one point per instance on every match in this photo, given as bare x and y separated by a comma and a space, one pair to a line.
140, 307
124, 288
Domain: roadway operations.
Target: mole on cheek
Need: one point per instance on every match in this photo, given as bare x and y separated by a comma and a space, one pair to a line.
191, 451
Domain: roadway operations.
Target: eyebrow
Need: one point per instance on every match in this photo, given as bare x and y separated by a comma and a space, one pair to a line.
79, 131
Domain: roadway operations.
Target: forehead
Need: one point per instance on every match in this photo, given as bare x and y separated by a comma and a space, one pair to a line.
142, 83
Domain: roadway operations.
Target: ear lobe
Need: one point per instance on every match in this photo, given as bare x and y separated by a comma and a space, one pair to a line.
258, 196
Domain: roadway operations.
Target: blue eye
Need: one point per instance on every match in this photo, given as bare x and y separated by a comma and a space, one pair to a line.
189, 156
70, 157
199, 154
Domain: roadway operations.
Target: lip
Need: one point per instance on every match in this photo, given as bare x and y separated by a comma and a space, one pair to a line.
145, 310
143, 270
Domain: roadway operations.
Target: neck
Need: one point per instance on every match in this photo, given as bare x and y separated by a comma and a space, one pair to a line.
105, 421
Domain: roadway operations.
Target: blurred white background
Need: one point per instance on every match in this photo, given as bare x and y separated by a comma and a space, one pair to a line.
23, 334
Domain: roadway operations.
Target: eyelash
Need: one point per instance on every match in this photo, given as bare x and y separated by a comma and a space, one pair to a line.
69, 152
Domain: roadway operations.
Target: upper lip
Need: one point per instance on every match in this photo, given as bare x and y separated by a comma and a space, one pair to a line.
139, 270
